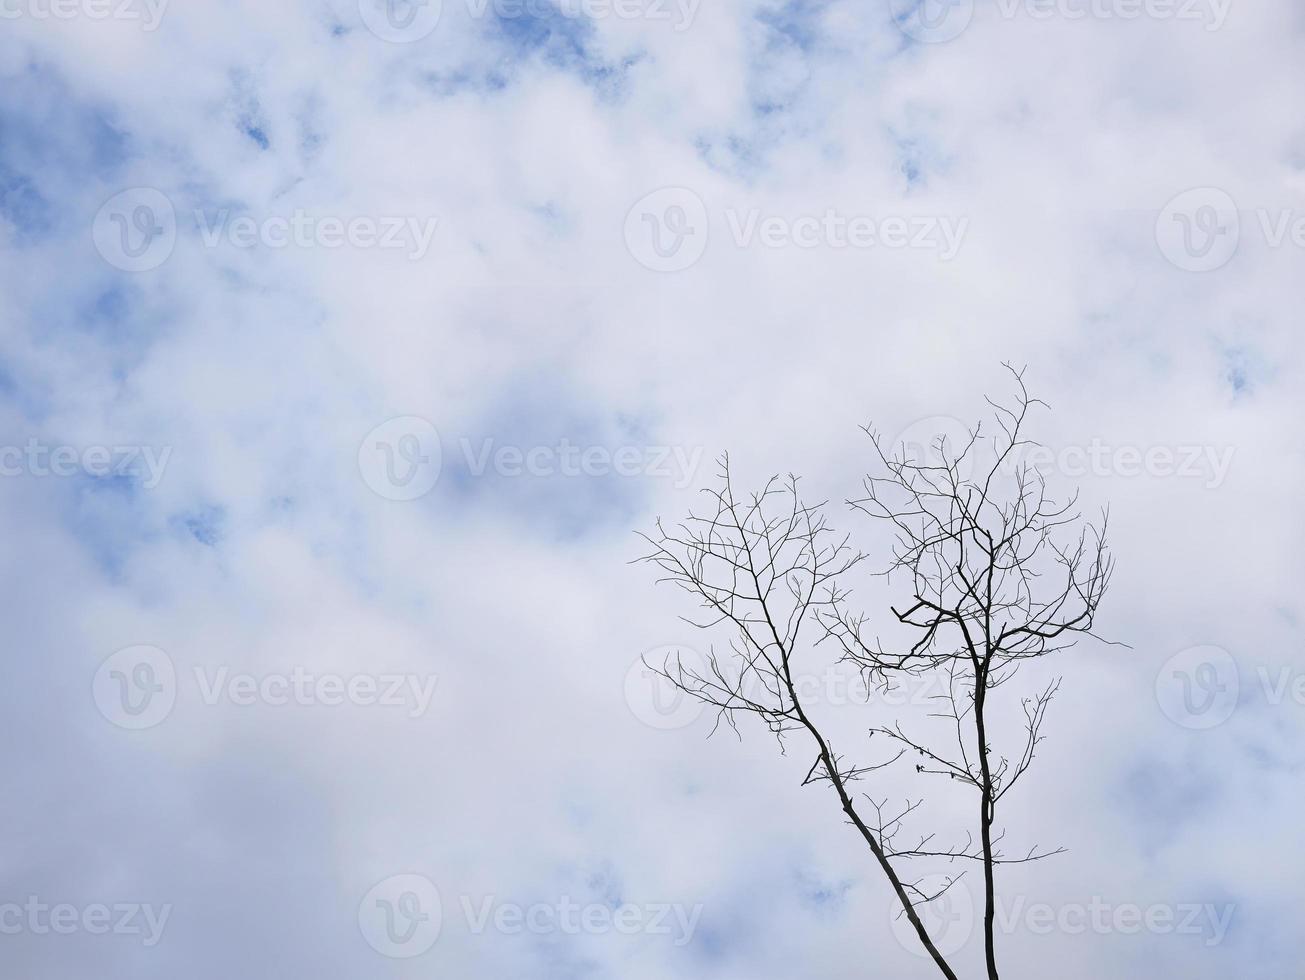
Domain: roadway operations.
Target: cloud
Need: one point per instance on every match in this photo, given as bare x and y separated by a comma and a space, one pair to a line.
531, 319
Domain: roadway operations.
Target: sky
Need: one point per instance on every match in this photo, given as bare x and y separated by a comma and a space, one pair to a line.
346, 345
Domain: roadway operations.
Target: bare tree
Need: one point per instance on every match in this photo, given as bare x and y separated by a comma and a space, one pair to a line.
997, 573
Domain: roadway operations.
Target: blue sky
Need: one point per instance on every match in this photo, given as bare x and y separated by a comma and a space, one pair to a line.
253, 255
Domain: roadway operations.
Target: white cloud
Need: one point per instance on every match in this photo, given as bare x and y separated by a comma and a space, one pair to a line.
1057, 141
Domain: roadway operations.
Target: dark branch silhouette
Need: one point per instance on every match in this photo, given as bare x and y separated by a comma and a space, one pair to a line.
995, 572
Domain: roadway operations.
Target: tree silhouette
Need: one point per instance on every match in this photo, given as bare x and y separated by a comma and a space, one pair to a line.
995, 573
